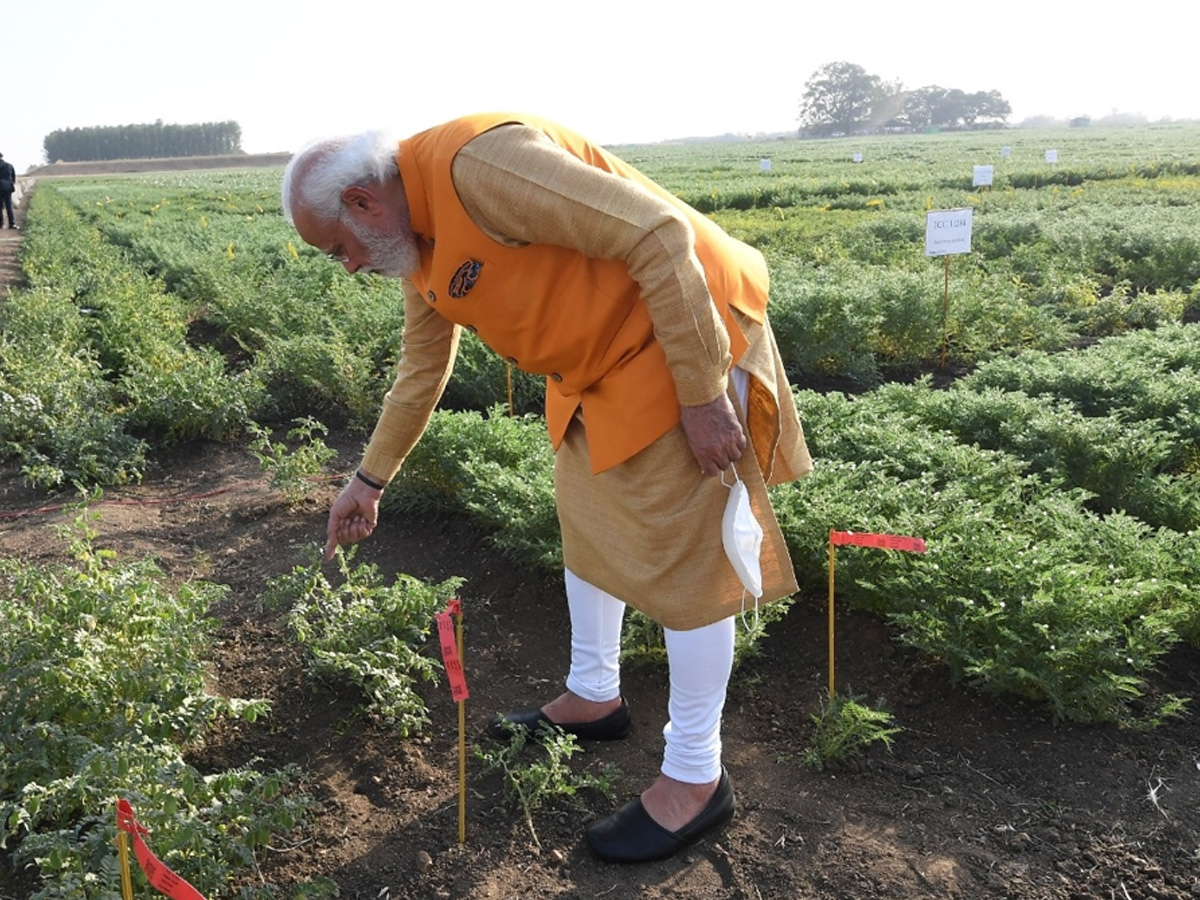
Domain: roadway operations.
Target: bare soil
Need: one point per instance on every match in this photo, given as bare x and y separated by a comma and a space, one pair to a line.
980, 796
173, 164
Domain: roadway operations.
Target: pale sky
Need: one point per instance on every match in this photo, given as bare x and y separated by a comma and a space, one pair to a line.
623, 71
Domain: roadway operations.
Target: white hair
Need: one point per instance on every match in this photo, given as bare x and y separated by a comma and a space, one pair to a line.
316, 176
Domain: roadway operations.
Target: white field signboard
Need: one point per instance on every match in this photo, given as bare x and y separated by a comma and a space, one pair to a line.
948, 231
983, 176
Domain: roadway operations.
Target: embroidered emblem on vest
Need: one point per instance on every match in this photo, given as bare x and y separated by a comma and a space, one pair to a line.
464, 279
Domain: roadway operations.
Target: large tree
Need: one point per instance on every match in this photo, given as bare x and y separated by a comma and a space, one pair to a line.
991, 107
843, 97
937, 107
921, 106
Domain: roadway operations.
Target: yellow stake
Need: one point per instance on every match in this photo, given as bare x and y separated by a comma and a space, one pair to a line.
123, 856
462, 744
831, 563
945, 308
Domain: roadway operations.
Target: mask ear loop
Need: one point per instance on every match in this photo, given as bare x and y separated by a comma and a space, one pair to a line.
736, 477
750, 629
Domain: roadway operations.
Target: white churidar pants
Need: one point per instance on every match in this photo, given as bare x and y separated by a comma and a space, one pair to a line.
700, 662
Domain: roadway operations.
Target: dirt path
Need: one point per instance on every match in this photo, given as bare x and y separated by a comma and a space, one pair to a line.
10, 247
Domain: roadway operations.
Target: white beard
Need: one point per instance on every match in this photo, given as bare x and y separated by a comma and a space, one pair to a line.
392, 255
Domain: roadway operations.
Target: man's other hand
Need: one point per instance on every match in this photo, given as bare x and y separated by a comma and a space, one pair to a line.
714, 434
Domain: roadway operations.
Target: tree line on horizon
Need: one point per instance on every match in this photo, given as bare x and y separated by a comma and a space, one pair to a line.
844, 98
145, 141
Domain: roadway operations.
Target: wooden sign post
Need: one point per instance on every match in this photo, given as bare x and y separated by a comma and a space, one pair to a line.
947, 232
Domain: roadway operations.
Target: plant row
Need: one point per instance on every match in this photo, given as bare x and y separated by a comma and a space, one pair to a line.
173, 309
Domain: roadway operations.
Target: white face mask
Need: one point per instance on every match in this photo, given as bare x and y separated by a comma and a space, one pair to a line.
742, 536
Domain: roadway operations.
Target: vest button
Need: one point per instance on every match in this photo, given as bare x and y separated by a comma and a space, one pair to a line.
432, 297
554, 376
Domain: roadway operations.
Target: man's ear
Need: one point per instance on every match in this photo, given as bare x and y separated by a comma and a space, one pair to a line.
360, 200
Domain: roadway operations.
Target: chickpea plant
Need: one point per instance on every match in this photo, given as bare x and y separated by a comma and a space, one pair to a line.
293, 472
528, 785
366, 632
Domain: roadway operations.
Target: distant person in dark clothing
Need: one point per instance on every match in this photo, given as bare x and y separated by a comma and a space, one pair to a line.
8, 184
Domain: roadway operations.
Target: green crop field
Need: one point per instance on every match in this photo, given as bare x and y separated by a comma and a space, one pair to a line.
163, 308
1030, 408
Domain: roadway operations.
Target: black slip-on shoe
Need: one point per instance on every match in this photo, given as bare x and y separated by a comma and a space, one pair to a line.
630, 836
616, 725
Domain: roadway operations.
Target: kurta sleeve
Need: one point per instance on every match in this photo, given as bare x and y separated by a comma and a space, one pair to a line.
429, 346
521, 188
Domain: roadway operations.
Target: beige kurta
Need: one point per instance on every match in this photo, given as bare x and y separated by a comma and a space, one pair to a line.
649, 530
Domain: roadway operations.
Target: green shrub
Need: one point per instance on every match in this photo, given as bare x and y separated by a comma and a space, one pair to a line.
825, 322
481, 381
1023, 590
845, 728
529, 785
59, 417
293, 472
102, 691
367, 633
497, 469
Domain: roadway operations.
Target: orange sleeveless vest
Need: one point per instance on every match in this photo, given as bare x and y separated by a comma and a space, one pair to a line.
553, 311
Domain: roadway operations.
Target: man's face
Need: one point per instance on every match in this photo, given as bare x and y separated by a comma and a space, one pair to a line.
382, 243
